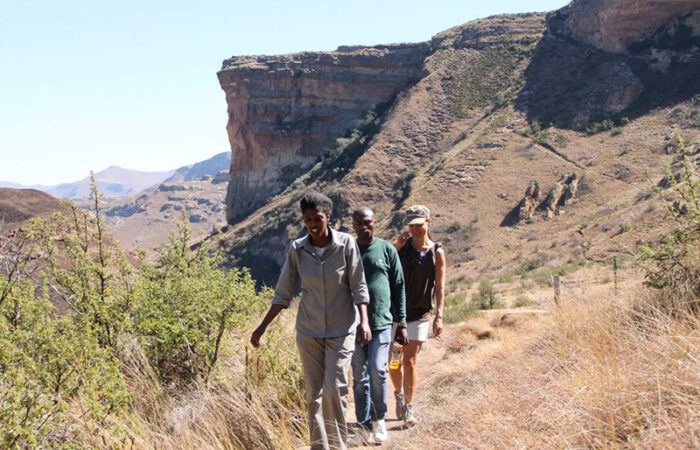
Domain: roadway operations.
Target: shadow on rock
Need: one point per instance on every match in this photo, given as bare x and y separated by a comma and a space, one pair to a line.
570, 84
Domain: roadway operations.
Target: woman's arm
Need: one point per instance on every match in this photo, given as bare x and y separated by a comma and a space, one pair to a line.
284, 292
273, 312
440, 265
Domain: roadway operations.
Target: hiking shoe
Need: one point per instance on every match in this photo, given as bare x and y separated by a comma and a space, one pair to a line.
361, 438
400, 405
379, 431
409, 418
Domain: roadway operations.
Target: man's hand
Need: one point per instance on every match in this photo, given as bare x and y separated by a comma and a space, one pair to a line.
437, 326
364, 334
257, 334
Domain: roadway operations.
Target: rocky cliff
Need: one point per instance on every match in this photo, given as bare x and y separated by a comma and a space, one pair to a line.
284, 111
616, 25
501, 101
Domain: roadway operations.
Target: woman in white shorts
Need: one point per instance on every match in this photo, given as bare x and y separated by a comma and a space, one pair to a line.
423, 263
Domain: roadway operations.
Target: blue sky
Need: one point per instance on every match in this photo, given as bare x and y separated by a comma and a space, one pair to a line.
89, 84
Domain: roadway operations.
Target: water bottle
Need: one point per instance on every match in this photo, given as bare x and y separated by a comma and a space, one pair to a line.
396, 351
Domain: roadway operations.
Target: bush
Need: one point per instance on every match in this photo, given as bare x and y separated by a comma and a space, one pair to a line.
62, 376
672, 265
88, 271
457, 309
48, 364
523, 301
486, 297
184, 304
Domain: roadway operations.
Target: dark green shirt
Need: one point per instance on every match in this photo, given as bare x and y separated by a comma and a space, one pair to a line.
387, 297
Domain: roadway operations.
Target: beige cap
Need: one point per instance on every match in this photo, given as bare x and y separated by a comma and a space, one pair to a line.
417, 215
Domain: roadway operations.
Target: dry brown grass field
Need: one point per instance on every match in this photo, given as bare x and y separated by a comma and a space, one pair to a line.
601, 371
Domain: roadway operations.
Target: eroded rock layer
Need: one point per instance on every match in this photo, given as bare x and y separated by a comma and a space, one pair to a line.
613, 25
284, 111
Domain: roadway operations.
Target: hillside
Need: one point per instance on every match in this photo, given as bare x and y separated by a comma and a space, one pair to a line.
502, 102
18, 206
146, 220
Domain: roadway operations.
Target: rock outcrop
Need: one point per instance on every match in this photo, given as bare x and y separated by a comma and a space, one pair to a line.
562, 192
284, 111
530, 201
615, 25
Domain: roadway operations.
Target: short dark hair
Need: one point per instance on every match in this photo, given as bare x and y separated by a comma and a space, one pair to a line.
362, 211
316, 200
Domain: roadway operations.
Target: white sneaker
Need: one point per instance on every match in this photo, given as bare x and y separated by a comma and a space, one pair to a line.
361, 438
379, 431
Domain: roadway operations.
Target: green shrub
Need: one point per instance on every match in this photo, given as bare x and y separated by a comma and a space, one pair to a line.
486, 297
531, 264
462, 281
598, 127
457, 309
536, 133
506, 278
184, 304
523, 301
672, 265
47, 364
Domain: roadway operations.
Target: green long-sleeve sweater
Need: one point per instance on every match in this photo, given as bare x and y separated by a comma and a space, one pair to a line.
387, 297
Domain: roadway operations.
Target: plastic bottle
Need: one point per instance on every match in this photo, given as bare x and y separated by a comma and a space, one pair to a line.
396, 351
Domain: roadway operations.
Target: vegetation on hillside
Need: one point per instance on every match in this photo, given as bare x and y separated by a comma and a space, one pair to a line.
134, 337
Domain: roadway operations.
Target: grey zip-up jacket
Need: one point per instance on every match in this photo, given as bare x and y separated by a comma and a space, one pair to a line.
331, 286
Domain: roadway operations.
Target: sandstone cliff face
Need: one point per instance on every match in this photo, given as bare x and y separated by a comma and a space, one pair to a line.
285, 111
613, 25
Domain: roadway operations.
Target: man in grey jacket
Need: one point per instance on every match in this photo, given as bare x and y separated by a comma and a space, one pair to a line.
334, 297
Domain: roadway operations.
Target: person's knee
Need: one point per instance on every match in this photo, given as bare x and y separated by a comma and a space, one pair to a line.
410, 360
377, 369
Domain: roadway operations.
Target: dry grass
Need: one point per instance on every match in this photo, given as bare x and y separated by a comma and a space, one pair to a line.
597, 373
602, 372
245, 406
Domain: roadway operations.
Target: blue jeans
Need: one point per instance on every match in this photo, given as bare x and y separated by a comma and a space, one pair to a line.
369, 377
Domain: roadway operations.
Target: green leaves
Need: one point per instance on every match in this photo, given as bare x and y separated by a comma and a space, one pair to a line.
48, 364
184, 304
60, 374
673, 263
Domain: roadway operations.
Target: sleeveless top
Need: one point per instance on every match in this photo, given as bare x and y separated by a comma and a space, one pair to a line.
419, 276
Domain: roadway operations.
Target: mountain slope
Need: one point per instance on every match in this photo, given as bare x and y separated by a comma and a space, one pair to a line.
18, 206
211, 166
467, 138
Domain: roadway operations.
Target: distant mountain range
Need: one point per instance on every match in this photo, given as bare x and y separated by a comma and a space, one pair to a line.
117, 181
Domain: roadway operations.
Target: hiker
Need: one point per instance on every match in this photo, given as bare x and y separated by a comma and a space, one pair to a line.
327, 266
387, 304
423, 262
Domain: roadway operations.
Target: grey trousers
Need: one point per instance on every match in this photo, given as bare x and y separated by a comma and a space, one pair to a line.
326, 363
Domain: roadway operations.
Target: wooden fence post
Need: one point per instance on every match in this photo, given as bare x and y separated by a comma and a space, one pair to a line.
615, 275
556, 282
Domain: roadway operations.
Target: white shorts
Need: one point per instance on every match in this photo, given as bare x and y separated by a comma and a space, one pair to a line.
417, 331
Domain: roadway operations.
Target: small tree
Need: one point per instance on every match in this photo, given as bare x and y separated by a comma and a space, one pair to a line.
91, 274
184, 305
673, 263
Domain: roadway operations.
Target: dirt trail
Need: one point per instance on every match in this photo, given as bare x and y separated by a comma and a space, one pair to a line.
431, 354
442, 356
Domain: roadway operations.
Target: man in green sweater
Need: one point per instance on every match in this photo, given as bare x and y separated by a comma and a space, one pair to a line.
387, 304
